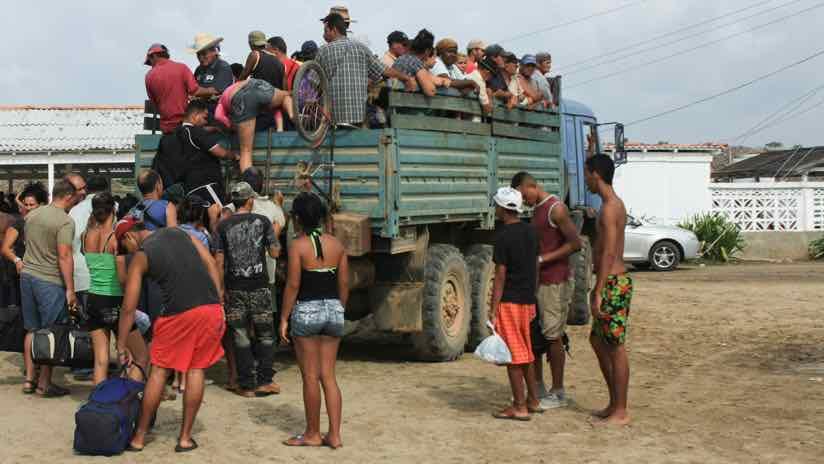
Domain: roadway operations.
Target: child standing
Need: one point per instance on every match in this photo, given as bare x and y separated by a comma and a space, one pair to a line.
513, 300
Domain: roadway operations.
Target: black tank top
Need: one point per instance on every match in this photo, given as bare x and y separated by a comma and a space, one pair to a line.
318, 284
175, 265
269, 69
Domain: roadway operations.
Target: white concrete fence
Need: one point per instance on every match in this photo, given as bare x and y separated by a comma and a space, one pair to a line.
767, 207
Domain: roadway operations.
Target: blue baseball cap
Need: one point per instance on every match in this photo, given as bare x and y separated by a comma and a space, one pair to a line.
529, 59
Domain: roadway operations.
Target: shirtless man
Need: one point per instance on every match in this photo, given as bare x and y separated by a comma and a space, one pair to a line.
613, 292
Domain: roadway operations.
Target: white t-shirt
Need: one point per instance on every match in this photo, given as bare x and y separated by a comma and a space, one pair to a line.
475, 76
452, 72
269, 209
80, 214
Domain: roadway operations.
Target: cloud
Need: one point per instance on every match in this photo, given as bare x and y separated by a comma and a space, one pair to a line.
91, 52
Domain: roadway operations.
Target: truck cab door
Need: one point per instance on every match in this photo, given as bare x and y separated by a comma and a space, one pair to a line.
586, 136
575, 173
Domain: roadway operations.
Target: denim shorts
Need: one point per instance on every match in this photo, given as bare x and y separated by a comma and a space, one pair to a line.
43, 303
251, 100
317, 317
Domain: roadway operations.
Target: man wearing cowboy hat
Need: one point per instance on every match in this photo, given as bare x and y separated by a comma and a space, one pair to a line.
344, 13
213, 70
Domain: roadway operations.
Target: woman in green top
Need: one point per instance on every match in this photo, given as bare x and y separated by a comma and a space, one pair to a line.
108, 273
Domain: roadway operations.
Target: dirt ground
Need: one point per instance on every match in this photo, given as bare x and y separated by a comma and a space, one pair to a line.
727, 367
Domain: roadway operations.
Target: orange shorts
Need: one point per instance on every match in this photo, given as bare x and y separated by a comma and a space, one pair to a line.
513, 326
189, 340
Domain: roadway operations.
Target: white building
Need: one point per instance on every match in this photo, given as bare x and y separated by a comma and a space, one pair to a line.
666, 183
44, 142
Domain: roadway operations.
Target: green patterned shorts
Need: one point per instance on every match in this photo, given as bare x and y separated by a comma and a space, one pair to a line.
612, 326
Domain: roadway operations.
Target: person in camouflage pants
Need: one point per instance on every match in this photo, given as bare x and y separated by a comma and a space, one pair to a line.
241, 246
247, 309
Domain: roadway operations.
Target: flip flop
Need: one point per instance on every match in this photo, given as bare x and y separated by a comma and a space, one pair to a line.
267, 390
181, 449
53, 391
133, 449
500, 415
298, 440
29, 387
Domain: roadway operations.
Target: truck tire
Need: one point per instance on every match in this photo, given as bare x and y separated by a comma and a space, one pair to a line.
445, 309
581, 263
482, 273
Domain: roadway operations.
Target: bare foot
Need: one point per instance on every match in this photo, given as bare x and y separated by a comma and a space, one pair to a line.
614, 420
332, 442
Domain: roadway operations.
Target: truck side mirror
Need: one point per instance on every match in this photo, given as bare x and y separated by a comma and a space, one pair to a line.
620, 156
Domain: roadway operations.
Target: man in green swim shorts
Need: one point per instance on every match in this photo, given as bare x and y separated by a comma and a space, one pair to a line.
612, 295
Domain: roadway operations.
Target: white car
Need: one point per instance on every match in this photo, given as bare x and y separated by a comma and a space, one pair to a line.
658, 247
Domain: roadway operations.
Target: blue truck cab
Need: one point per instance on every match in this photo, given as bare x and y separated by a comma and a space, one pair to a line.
411, 203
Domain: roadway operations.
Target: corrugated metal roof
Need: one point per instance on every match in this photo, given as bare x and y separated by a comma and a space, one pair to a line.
69, 128
785, 163
638, 146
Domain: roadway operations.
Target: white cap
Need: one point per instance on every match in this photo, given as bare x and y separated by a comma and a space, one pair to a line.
509, 198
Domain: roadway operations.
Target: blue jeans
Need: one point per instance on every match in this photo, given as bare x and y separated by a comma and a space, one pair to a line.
43, 303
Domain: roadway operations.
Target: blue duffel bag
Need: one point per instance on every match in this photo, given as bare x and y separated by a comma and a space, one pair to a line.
105, 423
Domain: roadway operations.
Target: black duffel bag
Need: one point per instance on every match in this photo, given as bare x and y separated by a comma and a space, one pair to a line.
12, 332
62, 344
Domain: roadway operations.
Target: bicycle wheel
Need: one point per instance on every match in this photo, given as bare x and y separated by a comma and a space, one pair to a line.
312, 103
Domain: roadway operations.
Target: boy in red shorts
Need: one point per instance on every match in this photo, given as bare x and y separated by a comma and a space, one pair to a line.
513, 300
187, 335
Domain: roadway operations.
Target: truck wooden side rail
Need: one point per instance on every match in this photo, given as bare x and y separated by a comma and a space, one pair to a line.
413, 203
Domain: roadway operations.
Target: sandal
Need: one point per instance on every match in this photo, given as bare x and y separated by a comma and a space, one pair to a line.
181, 449
508, 415
267, 390
29, 387
133, 449
299, 440
52, 391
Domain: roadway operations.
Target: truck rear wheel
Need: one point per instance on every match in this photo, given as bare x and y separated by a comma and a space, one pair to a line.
482, 272
581, 263
446, 305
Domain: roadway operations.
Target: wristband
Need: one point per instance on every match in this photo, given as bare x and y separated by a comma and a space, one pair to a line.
17, 259
540, 259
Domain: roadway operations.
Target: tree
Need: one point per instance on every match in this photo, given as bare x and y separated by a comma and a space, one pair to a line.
774, 145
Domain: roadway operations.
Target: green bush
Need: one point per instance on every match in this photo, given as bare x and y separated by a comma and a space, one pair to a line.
720, 238
817, 249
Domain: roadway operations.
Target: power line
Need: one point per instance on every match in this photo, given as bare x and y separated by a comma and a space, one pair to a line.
728, 91
776, 115
573, 21
704, 45
673, 42
653, 39
789, 117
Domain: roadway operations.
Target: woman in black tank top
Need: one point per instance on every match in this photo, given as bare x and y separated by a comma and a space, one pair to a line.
312, 314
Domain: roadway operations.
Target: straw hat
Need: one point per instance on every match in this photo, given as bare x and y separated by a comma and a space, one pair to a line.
343, 11
203, 41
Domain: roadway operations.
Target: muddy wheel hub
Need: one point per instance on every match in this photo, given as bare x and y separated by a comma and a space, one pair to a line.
452, 303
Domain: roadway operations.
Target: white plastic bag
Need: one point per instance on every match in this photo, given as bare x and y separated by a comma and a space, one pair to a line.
493, 349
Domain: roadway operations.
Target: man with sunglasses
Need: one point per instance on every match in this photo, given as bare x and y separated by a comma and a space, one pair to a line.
213, 70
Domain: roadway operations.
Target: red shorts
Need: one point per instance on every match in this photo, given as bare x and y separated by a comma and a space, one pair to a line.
513, 326
189, 340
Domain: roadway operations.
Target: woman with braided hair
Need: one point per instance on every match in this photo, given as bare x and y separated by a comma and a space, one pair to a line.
314, 299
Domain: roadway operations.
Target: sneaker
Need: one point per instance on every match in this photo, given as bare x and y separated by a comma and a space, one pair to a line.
554, 401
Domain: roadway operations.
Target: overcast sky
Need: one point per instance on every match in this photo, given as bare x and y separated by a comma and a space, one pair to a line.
91, 52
